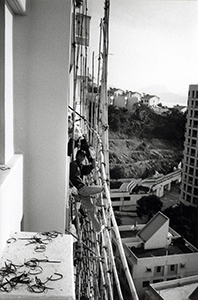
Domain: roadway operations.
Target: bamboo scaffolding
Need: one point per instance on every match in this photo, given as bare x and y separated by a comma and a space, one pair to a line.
87, 267
115, 227
104, 289
105, 241
106, 269
117, 233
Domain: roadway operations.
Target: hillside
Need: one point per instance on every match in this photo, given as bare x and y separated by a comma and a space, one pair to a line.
142, 142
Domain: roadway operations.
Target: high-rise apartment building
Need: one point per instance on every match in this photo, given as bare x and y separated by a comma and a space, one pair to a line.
189, 185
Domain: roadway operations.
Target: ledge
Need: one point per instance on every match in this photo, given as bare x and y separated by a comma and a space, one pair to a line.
18, 7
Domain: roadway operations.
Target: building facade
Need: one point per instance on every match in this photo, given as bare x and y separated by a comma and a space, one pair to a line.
36, 81
156, 253
150, 100
182, 289
189, 185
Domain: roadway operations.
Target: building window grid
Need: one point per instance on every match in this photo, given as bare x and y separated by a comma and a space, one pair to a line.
189, 184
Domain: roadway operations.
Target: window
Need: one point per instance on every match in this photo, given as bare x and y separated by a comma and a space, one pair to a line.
195, 123
191, 171
158, 269
195, 200
145, 283
192, 152
194, 133
188, 198
195, 191
189, 189
172, 267
196, 114
192, 161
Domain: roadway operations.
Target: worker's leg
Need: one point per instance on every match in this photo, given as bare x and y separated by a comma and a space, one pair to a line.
90, 190
86, 201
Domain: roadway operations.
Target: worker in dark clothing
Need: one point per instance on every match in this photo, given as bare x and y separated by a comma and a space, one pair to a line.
77, 171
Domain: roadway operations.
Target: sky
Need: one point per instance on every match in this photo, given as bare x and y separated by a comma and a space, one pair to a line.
152, 42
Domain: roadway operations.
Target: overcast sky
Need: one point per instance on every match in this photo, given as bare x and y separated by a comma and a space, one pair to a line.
151, 42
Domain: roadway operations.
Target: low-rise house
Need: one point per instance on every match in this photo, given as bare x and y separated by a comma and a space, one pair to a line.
177, 289
156, 253
118, 92
131, 99
120, 101
123, 99
150, 100
180, 108
160, 110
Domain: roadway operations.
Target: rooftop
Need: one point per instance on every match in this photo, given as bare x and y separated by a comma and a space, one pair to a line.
178, 246
177, 289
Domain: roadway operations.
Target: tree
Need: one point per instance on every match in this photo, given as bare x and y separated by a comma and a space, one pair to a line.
148, 206
183, 219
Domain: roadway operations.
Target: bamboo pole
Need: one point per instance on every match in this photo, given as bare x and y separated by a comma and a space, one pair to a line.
98, 79
117, 234
107, 269
104, 100
92, 100
105, 242
102, 273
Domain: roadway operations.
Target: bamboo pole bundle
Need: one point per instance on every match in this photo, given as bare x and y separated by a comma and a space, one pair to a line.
104, 287
105, 242
117, 234
92, 101
115, 228
106, 269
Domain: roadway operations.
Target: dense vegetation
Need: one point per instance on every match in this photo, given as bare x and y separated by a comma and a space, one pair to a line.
145, 123
183, 219
142, 142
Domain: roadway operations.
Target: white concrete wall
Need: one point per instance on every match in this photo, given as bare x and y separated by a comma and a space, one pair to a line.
41, 84
11, 198
140, 273
159, 238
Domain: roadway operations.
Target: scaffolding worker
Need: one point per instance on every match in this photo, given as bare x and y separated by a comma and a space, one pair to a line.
77, 171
